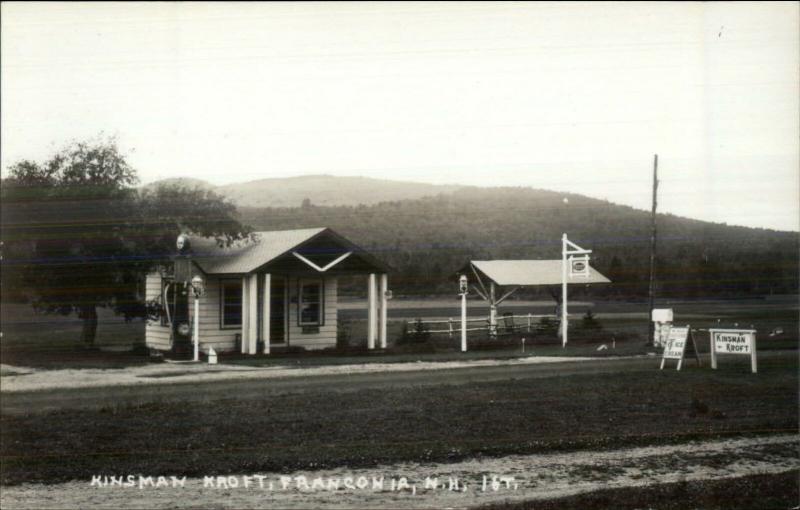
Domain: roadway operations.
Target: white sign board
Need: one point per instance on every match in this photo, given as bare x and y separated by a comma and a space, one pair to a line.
733, 341
662, 315
579, 266
676, 343
675, 347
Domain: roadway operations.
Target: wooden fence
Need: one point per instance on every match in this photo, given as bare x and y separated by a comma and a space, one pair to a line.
505, 324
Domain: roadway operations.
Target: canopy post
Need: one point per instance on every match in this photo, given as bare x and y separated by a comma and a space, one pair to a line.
564, 315
492, 311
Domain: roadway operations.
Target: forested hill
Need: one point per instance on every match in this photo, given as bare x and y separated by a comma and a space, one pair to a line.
318, 189
429, 238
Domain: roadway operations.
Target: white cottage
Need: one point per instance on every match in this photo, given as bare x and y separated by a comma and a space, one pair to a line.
277, 290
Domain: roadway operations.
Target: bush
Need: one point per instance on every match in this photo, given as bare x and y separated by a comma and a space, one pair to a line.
548, 327
590, 323
418, 334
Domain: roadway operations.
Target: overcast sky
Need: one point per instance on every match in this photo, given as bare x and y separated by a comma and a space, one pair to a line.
572, 97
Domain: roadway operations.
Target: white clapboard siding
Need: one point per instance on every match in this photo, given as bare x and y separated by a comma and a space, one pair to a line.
211, 335
156, 336
326, 337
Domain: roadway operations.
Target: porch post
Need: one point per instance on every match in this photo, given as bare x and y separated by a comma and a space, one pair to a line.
252, 321
265, 311
371, 312
245, 314
383, 290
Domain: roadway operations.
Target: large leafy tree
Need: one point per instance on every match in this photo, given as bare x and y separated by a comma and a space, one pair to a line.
78, 234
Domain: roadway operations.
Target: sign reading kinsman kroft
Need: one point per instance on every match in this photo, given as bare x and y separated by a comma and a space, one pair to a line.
733, 341
675, 347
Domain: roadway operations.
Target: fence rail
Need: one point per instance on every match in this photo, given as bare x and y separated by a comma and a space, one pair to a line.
454, 325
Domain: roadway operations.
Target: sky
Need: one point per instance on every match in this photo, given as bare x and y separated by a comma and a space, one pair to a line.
573, 97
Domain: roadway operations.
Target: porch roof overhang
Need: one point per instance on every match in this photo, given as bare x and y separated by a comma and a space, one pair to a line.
521, 273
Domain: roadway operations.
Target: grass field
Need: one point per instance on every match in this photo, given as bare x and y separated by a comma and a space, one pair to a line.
322, 427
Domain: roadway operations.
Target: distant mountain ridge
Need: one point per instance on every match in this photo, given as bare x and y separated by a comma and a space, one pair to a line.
321, 190
426, 232
427, 239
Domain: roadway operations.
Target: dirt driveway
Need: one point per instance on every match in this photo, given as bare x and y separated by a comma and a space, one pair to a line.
45, 391
21, 379
411, 485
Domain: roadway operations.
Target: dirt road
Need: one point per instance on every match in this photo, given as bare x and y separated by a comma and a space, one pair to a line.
249, 382
411, 485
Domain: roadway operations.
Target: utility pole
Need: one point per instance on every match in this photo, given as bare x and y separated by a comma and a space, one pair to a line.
651, 289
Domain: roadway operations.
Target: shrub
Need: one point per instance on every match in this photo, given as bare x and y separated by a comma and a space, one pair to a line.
421, 333
548, 327
590, 323
418, 334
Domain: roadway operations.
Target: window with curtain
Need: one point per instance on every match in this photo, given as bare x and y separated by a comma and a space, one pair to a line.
310, 303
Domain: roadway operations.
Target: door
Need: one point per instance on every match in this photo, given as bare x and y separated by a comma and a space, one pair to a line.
277, 311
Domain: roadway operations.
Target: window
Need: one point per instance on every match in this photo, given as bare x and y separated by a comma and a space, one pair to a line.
309, 303
230, 303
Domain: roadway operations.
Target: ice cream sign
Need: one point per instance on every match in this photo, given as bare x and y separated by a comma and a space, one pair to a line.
677, 341
733, 341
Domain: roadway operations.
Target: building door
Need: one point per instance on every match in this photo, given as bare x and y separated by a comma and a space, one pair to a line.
277, 311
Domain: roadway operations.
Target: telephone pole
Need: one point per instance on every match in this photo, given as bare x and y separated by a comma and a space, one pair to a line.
651, 289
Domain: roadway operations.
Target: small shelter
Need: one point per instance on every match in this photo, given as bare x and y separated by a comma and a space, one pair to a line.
499, 279
275, 289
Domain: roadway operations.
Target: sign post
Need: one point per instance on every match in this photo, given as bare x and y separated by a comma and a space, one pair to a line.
733, 341
574, 262
463, 291
675, 347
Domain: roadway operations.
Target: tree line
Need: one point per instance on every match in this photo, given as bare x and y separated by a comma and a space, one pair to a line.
77, 234
427, 240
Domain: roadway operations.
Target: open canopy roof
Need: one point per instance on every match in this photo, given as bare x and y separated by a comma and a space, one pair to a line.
531, 272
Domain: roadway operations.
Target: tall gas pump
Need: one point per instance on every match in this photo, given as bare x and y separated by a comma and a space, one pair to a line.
177, 299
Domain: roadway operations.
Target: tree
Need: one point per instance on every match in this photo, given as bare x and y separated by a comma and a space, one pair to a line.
82, 235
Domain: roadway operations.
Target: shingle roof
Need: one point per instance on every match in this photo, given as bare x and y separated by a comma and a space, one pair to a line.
246, 256
532, 272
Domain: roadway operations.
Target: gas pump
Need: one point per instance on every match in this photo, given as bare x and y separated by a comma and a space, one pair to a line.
178, 316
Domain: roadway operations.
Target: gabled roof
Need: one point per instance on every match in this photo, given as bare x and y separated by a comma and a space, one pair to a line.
246, 256
532, 272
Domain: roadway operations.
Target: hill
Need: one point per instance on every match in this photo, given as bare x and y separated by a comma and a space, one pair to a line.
426, 239
326, 190
188, 182
322, 190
